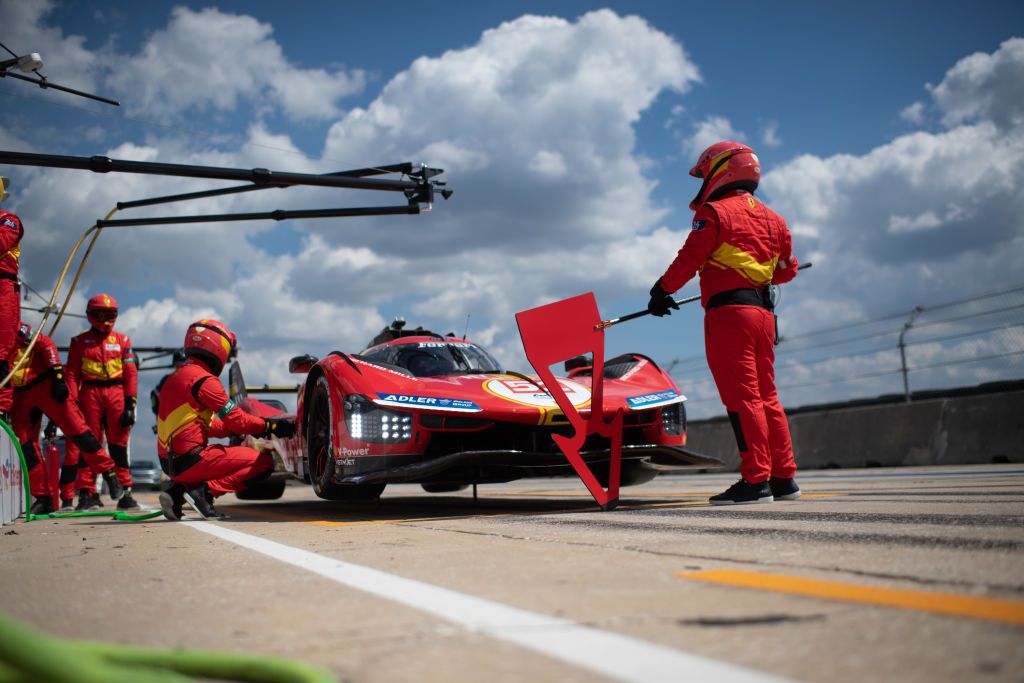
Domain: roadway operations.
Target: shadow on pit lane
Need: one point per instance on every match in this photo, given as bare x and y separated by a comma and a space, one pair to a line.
397, 509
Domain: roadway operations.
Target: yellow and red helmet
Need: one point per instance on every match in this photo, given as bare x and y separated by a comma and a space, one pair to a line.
725, 166
211, 342
102, 312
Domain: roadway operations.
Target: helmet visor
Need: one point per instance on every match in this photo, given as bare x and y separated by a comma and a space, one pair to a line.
107, 316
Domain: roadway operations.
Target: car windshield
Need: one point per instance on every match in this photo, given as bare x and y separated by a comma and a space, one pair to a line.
429, 359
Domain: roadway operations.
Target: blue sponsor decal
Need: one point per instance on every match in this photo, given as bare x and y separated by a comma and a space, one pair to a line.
434, 402
697, 225
659, 398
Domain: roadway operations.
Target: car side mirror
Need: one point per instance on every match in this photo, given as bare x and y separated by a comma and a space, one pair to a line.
300, 365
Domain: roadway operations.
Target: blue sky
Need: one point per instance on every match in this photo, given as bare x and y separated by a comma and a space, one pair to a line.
566, 128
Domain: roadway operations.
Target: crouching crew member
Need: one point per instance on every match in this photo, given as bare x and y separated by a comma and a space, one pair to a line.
101, 368
40, 388
192, 408
11, 232
740, 247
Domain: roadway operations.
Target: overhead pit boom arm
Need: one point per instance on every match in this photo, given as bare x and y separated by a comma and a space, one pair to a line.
418, 188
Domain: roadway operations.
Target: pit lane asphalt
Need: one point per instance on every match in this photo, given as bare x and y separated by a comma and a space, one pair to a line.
912, 574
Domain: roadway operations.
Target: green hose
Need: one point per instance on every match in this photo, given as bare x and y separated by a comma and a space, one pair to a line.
116, 514
26, 656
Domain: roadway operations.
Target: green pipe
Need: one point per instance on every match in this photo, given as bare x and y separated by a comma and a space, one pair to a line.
28, 656
117, 514
114, 514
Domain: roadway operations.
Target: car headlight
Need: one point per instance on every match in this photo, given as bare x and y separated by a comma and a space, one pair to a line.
366, 421
673, 417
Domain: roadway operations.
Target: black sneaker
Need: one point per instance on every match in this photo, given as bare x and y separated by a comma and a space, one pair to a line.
126, 501
41, 506
88, 501
742, 493
114, 487
171, 501
201, 501
784, 489
67, 504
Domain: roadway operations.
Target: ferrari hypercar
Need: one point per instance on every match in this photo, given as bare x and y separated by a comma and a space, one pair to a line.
440, 411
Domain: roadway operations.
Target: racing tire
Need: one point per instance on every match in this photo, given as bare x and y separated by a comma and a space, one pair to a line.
264, 490
319, 440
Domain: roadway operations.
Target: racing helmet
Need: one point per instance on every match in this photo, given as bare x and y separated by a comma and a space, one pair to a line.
725, 166
211, 342
5, 182
24, 333
102, 312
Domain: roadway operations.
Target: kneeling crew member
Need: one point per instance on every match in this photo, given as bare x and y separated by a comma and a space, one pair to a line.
39, 388
193, 407
740, 247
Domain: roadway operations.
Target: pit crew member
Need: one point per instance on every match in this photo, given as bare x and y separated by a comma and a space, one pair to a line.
102, 371
739, 247
11, 232
192, 408
40, 388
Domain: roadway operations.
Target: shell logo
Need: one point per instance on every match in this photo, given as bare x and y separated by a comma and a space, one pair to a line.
528, 393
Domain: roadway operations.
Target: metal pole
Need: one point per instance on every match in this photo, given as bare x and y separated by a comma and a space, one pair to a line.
903, 349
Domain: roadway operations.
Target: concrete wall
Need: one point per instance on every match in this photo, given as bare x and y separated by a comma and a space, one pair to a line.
943, 431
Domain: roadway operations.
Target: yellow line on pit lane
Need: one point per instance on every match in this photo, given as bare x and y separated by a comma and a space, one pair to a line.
991, 609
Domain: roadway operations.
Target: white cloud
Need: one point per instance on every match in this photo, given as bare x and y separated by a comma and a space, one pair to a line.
899, 225
709, 131
541, 110
985, 86
770, 135
209, 59
914, 113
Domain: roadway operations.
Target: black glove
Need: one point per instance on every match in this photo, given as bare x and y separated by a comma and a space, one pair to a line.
283, 427
50, 430
128, 416
661, 301
58, 387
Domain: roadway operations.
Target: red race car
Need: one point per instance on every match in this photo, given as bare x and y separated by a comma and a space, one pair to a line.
440, 411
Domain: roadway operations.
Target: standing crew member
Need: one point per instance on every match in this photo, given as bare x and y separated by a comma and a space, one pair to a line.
11, 232
193, 407
101, 367
40, 388
740, 247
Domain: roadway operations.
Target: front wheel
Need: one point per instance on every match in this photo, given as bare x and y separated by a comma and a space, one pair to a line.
319, 452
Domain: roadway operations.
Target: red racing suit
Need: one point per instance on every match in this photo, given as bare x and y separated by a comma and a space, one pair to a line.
102, 372
740, 246
194, 407
34, 397
11, 232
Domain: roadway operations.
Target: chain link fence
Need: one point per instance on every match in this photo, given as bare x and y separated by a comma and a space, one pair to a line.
936, 346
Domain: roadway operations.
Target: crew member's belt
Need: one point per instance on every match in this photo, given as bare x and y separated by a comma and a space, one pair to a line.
11, 276
741, 297
103, 382
179, 462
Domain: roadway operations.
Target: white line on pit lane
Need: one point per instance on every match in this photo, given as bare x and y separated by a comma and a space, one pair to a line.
609, 654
